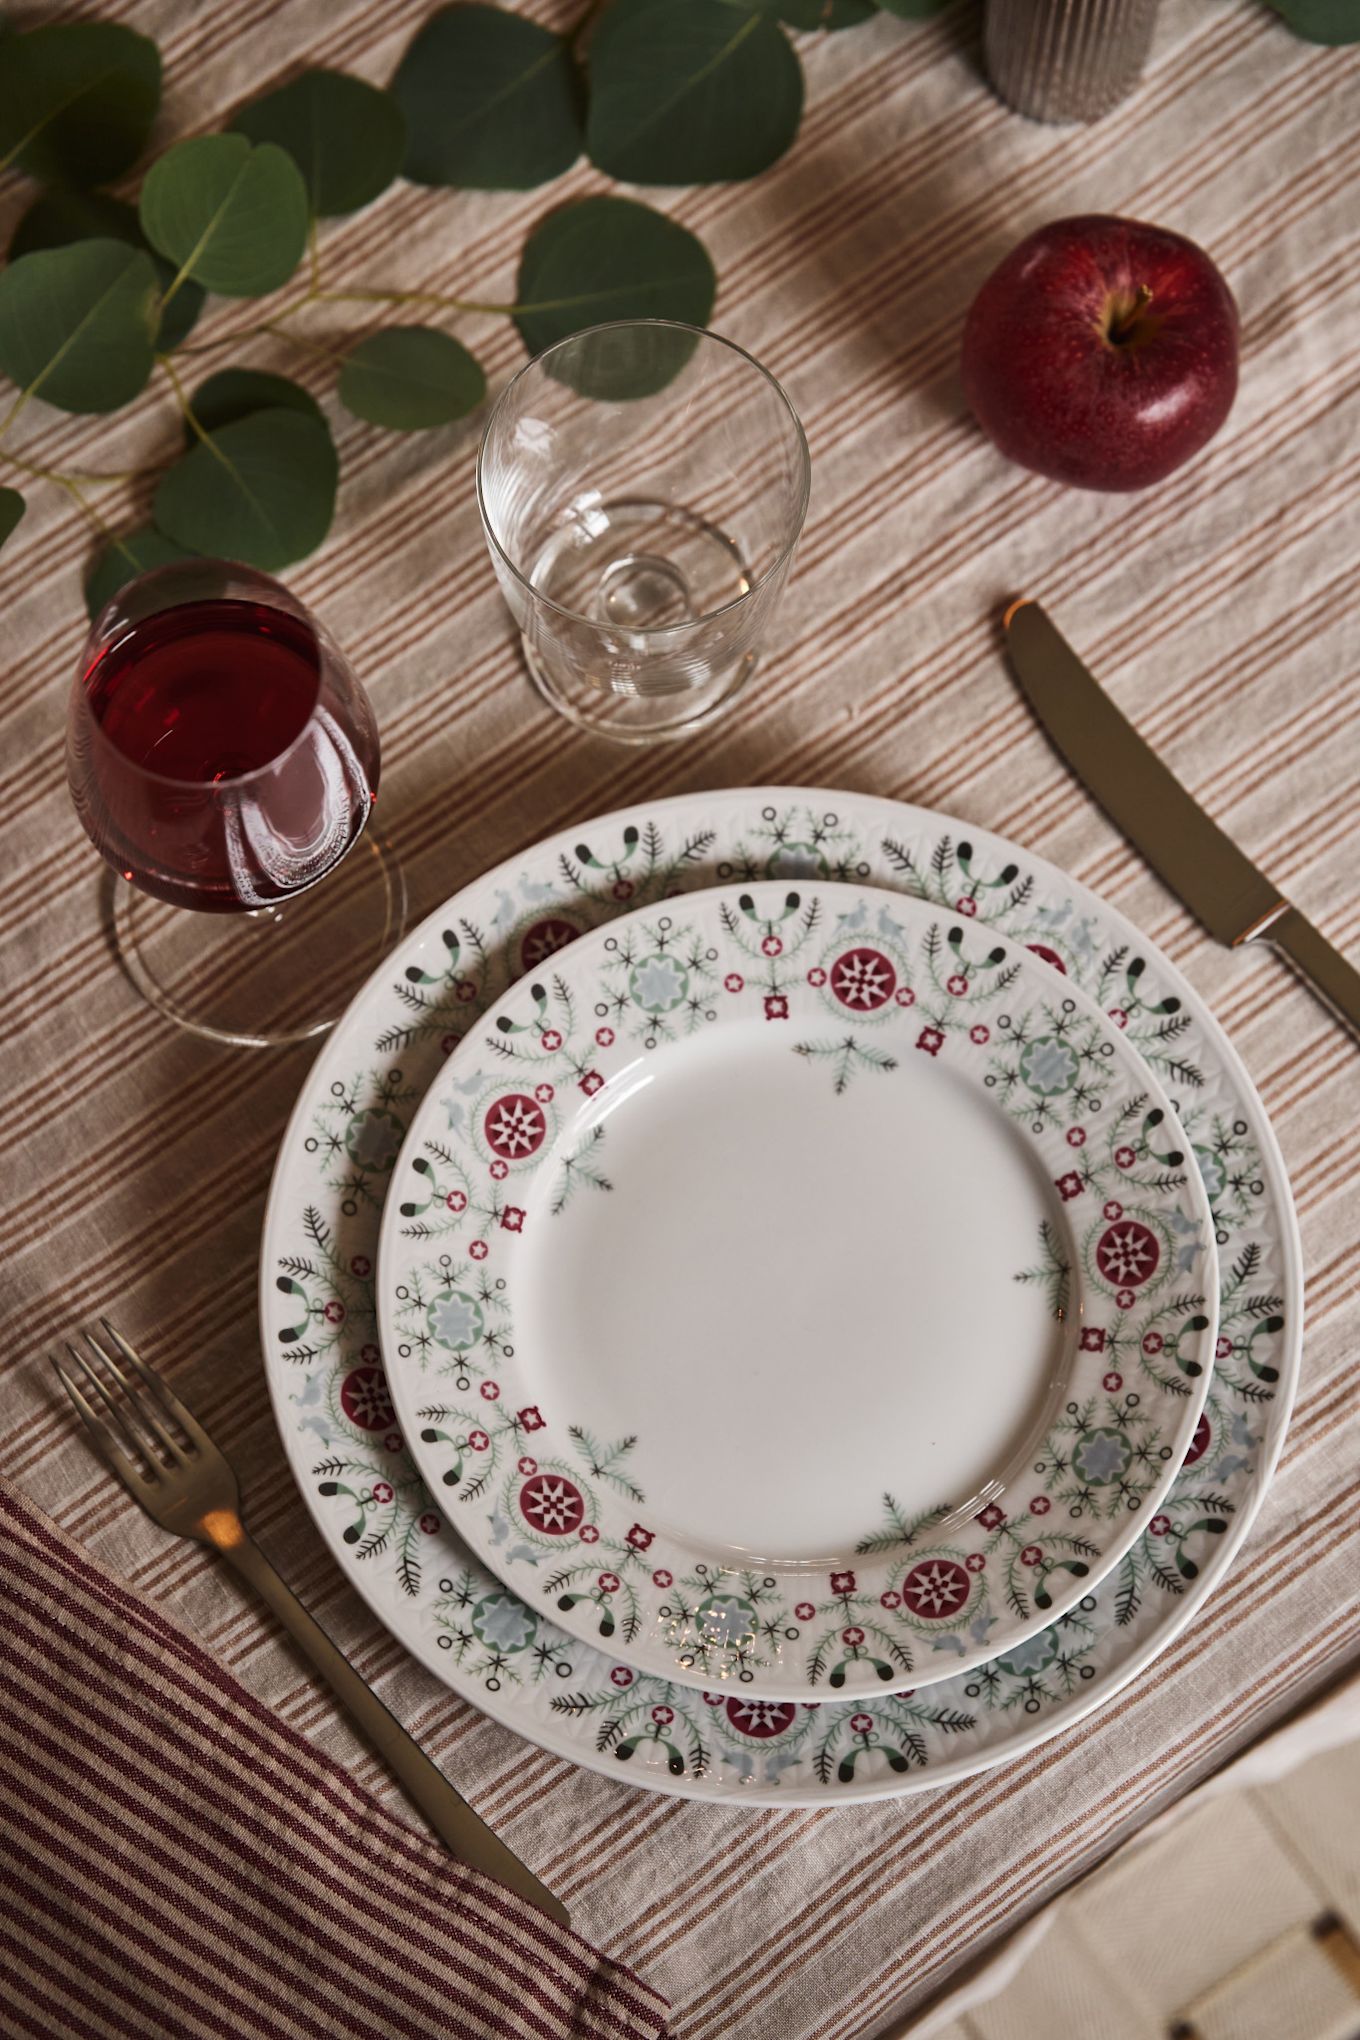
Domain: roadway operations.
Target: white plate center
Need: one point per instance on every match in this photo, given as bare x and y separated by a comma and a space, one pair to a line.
797, 1301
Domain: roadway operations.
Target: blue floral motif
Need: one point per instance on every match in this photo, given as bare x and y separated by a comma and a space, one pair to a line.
456, 1321
503, 1623
659, 984
1049, 1066
1101, 1457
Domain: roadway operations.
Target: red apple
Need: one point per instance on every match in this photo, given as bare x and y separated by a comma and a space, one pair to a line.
1102, 352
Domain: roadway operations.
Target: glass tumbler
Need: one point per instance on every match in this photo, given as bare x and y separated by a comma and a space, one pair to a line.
643, 486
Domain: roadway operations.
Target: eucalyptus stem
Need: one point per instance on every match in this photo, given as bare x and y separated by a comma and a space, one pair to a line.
408, 297
186, 408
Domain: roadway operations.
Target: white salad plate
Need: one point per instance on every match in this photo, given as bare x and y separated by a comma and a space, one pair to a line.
748, 1282
395, 1544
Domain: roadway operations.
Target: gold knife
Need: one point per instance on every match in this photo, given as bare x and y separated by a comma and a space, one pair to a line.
1189, 852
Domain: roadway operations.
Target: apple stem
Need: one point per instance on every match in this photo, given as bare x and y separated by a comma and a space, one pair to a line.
1121, 327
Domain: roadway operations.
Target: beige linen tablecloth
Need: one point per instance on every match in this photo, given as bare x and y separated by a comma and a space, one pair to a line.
1220, 608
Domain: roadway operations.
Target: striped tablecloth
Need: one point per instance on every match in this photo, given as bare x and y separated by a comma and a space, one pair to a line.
1221, 610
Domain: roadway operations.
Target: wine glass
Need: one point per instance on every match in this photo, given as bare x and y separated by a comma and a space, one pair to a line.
223, 757
642, 487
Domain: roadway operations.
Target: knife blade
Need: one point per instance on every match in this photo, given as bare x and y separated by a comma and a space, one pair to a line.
1202, 865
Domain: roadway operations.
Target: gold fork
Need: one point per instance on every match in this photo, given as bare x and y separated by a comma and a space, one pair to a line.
187, 1486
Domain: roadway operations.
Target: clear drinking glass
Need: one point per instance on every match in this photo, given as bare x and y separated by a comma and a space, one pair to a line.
223, 758
643, 486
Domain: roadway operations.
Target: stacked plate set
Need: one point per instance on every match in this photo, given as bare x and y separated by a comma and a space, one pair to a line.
781, 1297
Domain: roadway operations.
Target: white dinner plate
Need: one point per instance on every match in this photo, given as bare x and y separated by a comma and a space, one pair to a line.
749, 1283
324, 1369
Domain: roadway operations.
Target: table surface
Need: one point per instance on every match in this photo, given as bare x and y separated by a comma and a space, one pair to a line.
1221, 611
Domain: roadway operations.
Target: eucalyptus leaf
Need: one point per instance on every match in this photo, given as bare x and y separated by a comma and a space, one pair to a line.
231, 216
816, 13
76, 324
1322, 21
239, 393
60, 217
132, 554
611, 258
347, 137
261, 489
77, 100
409, 378
700, 94
492, 101
12, 507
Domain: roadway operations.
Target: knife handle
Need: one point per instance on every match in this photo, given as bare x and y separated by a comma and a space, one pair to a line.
1314, 958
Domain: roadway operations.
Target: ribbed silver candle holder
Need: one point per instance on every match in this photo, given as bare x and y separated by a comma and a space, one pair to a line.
1067, 60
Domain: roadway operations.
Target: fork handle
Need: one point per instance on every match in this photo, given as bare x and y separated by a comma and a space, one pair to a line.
463, 1832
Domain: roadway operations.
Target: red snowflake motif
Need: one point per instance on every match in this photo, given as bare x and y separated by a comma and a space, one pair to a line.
456, 1200
361, 1266
1069, 1186
957, 985
966, 906
544, 939
527, 1465
734, 981
1113, 1209
551, 1039
663, 1716
1112, 1383
1040, 1506
992, 1517
1222, 1349
1199, 1444
609, 1583
623, 888
1031, 1554
937, 1588
712, 1699
464, 990
760, 1719
544, 1093
1124, 1298
1092, 1339
370, 1355
429, 1523
1049, 956
817, 977
529, 1419
975, 1562
448, 1043
512, 1219
776, 1006
639, 1538
491, 1391
383, 1491
1119, 1017
980, 1035
366, 1399
1153, 1342
592, 1082
863, 980
392, 1442
479, 1250
604, 1037
931, 1040
661, 1578
1159, 1526
478, 1441
1124, 1157
805, 1611
905, 996
861, 1723
552, 1504
515, 1127
842, 1583
772, 946
334, 1313
852, 1636
891, 1599
620, 1676
1128, 1254
1076, 1136
499, 1171
588, 1533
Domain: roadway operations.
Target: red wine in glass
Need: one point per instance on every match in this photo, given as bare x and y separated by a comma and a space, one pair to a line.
222, 755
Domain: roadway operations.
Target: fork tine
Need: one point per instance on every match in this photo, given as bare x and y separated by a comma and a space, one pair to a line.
137, 1447
139, 1405
110, 1451
169, 1404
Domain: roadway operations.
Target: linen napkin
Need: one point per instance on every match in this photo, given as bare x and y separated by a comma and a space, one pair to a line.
176, 1860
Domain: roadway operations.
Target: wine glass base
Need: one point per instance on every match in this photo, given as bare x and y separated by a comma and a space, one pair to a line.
273, 976
638, 718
